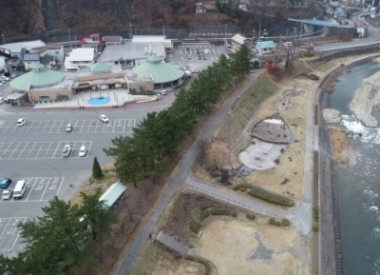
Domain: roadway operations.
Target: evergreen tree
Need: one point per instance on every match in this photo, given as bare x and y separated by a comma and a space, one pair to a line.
97, 172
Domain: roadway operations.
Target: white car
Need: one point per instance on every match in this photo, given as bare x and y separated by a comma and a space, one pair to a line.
1, 100
104, 118
21, 122
82, 151
7, 194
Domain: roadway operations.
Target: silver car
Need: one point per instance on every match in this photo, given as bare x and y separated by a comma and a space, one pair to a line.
7, 194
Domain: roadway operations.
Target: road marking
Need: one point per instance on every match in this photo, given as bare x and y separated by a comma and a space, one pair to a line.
26, 145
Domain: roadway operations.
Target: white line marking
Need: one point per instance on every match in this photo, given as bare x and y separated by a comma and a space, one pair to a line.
58, 146
26, 145
48, 149
15, 149
39, 150
43, 194
30, 190
5, 226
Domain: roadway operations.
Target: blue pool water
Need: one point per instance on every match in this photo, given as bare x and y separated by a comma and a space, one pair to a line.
99, 101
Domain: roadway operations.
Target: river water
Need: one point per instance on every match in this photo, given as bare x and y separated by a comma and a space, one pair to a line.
359, 181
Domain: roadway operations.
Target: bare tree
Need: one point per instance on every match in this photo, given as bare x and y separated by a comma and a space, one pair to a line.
123, 224
131, 210
292, 49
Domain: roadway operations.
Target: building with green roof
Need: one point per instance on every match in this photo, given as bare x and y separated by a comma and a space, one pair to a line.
163, 74
100, 68
41, 84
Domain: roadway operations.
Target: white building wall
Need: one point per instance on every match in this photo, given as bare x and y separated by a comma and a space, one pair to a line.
59, 54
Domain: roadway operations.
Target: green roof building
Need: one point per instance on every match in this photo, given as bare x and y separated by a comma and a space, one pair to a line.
99, 68
163, 74
37, 78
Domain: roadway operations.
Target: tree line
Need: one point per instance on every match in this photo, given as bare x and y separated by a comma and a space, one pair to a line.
63, 240
158, 135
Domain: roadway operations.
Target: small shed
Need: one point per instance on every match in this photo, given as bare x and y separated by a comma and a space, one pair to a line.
113, 193
237, 41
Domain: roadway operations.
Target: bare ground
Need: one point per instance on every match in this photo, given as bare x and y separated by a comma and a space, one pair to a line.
249, 247
340, 142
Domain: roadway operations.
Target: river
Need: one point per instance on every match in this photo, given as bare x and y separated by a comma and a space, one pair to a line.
359, 180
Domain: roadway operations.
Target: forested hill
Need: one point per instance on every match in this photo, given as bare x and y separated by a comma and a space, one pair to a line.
33, 16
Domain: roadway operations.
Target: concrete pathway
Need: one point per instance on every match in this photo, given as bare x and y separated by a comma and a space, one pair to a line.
178, 178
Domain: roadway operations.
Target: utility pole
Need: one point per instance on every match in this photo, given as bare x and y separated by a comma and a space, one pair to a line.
130, 30
163, 28
259, 38
3, 38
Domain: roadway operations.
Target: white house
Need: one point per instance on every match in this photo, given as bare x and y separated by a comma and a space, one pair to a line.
80, 58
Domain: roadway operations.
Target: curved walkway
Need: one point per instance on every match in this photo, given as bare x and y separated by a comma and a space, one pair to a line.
177, 179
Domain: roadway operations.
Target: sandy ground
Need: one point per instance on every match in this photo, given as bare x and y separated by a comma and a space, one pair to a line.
250, 247
340, 142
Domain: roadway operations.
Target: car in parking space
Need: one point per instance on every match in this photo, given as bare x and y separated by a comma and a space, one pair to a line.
104, 118
206, 51
164, 92
204, 57
82, 151
21, 122
6, 194
198, 51
199, 57
4, 184
69, 128
1, 100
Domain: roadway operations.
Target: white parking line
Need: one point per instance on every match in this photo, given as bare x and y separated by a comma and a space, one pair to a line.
26, 145
31, 188
39, 151
15, 149
1, 223
43, 194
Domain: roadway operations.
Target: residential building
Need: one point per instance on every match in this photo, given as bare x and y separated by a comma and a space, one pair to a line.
54, 50
112, 40
265, 46
17, 48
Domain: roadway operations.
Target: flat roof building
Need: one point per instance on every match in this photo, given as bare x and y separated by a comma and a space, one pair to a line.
80, 58
16, 48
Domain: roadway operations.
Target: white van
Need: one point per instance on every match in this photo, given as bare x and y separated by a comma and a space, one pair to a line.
19, 190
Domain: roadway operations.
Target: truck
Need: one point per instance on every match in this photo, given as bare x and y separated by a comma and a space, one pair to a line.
66, 151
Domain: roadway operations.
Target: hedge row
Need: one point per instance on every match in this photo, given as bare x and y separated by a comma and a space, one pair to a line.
264, 195
216, 212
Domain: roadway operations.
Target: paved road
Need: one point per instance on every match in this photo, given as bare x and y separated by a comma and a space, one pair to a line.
179, 178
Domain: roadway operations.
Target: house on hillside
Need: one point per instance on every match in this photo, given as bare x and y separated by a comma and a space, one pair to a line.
237, 41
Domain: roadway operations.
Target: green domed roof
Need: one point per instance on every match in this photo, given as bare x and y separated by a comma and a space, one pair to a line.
160, 71
100, 68
38, 77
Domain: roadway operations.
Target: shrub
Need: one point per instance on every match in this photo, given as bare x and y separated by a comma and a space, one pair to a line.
315, 213
220, 212
274, 222
313, 77
315, 226
268, 196
204, 215
202, 261
204, 206
285, 222
250, 217
195, 226
237, 187
233, 214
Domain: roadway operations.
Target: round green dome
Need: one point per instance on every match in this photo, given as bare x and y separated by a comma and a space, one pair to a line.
160, 71
38, 77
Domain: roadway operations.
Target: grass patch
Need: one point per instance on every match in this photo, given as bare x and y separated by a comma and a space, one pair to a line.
262, 89
264, 194
202, 261
195, 226
216, 212
285, 222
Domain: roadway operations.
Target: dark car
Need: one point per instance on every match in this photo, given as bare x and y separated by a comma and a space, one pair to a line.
5, 183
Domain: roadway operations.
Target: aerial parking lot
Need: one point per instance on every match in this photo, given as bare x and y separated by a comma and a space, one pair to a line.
9, 233
197, 56
41, 150
59, 126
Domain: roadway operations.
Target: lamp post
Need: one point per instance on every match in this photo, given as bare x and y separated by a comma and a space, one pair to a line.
3, 38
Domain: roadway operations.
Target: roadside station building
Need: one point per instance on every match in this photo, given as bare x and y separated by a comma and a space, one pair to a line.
80, 58
164, 75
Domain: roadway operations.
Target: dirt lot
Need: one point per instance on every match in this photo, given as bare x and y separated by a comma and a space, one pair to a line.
340, 142
249, 247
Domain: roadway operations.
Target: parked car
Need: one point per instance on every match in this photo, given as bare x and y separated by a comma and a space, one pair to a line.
164, 92
7, 194
69, 128
189, 56
21, 122
82, 151
204, 57
1, 100
104, 118
5, 183
199, 57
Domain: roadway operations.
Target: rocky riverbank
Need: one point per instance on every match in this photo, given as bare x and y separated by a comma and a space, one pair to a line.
365, 98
